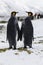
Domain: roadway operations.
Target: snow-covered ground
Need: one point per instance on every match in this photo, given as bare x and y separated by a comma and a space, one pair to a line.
29, 56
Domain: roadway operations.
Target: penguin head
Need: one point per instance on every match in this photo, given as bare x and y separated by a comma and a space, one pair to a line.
13, 13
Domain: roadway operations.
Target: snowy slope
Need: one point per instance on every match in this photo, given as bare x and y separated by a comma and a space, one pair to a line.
6, 6
21, 6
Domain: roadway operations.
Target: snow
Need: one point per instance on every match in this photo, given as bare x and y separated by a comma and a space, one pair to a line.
38, 25
17, 57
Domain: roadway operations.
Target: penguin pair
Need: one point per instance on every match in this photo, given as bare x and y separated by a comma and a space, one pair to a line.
26, 31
